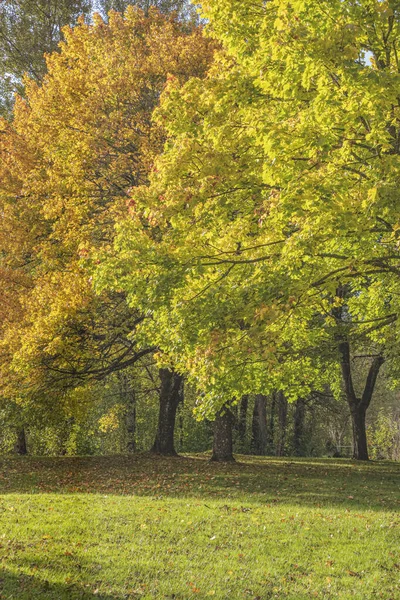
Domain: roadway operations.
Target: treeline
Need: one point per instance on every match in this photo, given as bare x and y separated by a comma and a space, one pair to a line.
205, 204
121, 417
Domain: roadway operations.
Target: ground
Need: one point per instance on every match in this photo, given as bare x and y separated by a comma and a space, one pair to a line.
114, 528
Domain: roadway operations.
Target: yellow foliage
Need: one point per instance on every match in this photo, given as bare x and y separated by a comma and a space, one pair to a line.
77, 145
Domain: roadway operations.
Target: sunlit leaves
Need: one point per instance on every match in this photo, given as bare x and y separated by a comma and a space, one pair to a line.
77, 145
278, 184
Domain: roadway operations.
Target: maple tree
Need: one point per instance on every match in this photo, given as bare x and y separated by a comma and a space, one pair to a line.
76, 146
270, 253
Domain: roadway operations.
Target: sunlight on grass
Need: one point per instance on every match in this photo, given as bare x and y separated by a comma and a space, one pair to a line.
116, 528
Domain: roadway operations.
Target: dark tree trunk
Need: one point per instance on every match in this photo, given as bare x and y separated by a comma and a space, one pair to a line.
171, 393
358, 406
282, 416
20, 444
259, 432
242, 419
298, 427
360, 447
223, 445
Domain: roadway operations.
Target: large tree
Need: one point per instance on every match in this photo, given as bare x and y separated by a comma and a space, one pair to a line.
76, 146
276, 193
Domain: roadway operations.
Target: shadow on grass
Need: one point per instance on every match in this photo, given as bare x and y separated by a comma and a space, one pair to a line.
302, 482
29, 587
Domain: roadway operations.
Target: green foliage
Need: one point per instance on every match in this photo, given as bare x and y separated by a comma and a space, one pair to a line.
277, 188
384, 436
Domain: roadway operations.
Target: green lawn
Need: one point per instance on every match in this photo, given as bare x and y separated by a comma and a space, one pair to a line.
126, 528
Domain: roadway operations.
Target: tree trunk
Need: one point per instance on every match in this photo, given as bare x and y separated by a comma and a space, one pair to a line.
223, 445
282, 416
242, 420
298, 427
171, 393
259, 436
358, 406
20, 445
360, 447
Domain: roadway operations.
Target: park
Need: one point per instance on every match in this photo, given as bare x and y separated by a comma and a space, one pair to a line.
199, 299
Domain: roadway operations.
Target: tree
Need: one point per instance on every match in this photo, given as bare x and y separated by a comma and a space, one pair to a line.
76, 145
182, 8
29, 30
171, 394
223, 443
277, 188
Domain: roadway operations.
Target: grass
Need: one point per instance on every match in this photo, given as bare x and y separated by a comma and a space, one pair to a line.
116, 528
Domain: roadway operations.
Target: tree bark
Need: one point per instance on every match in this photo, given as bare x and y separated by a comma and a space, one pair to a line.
282, 417
223, 445
171, 394
298, 427
21, 447
360, 447
259, 436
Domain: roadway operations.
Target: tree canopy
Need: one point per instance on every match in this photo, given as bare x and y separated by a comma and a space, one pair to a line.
270, 233
75, 147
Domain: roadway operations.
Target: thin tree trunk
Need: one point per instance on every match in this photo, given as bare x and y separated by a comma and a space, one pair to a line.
298, 427
171, 393
20, 444
282, 416
259, 436
223, 445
